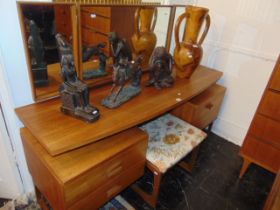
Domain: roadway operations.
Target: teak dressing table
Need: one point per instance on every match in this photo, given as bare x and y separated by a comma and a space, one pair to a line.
77, 165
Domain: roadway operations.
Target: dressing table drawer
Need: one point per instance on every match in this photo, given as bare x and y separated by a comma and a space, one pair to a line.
98, 196
203, 109
98, 171
82, 185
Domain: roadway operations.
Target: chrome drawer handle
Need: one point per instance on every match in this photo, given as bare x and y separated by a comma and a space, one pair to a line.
93, 15
115, 171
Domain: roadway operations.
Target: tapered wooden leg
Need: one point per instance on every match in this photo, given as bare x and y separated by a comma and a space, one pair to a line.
189, 166
246, 164
151, 199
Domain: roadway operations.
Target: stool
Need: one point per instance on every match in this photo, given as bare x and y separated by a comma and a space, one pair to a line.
170, 140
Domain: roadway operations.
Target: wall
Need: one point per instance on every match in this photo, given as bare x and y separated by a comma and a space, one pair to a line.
9, 175
243, 42
14, 82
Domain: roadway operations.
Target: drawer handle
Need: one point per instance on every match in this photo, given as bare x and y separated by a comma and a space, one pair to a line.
92, 15
114, 190
114, 171
209, 106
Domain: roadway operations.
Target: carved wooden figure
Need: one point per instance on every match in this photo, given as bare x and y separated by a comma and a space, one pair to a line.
74, 93
161, 64
122, 72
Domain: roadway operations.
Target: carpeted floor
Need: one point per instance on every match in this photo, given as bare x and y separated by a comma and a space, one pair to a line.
28, 202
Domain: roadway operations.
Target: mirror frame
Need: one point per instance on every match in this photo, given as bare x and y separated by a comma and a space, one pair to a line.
77, 40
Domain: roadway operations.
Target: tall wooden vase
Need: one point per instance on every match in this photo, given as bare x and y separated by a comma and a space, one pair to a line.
188, 53
144, 39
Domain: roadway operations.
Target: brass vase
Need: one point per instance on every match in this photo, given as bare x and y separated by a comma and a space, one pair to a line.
144, 39
188, 53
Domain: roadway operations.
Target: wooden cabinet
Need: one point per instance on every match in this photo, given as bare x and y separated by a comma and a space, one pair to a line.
262, 142
203, 109
275, 81
273, 200
87, 177
98, 22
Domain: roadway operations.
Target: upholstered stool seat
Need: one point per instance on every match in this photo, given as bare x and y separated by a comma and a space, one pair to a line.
170, 140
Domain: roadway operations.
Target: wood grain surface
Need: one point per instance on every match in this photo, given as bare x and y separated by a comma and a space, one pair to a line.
70, 177
59, 133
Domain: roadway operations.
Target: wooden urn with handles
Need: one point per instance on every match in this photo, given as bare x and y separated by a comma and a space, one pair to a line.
144, 39
188, 53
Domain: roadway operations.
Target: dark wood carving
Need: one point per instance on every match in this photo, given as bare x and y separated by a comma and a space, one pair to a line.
74, 93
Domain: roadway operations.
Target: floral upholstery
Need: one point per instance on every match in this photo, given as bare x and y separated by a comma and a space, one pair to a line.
170, 140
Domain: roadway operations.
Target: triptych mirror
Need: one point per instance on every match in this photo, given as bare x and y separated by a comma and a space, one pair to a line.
88, 29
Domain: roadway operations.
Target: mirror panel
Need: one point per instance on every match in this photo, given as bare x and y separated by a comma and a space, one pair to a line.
95, 25
40, 23
143, 28
161, 28
87, 28
179, 11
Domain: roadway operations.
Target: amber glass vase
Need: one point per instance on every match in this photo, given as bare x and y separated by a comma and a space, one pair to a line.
188, 52
144, 39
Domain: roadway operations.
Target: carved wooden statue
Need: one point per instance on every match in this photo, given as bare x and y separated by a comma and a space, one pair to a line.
161, 64
74, 93
122, 72
37, 54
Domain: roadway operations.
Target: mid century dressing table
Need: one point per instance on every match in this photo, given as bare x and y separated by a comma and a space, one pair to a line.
76, 165
79, 165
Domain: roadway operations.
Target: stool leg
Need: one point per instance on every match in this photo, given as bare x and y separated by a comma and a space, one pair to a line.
189, 166
156, 188
151, 199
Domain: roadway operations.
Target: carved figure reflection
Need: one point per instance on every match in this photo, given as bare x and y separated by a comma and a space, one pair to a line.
97, 50
120, 48
37, 54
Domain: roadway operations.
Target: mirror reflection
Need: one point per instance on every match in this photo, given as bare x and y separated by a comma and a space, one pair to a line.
100, 36
110, 32
40, 24
179, 10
